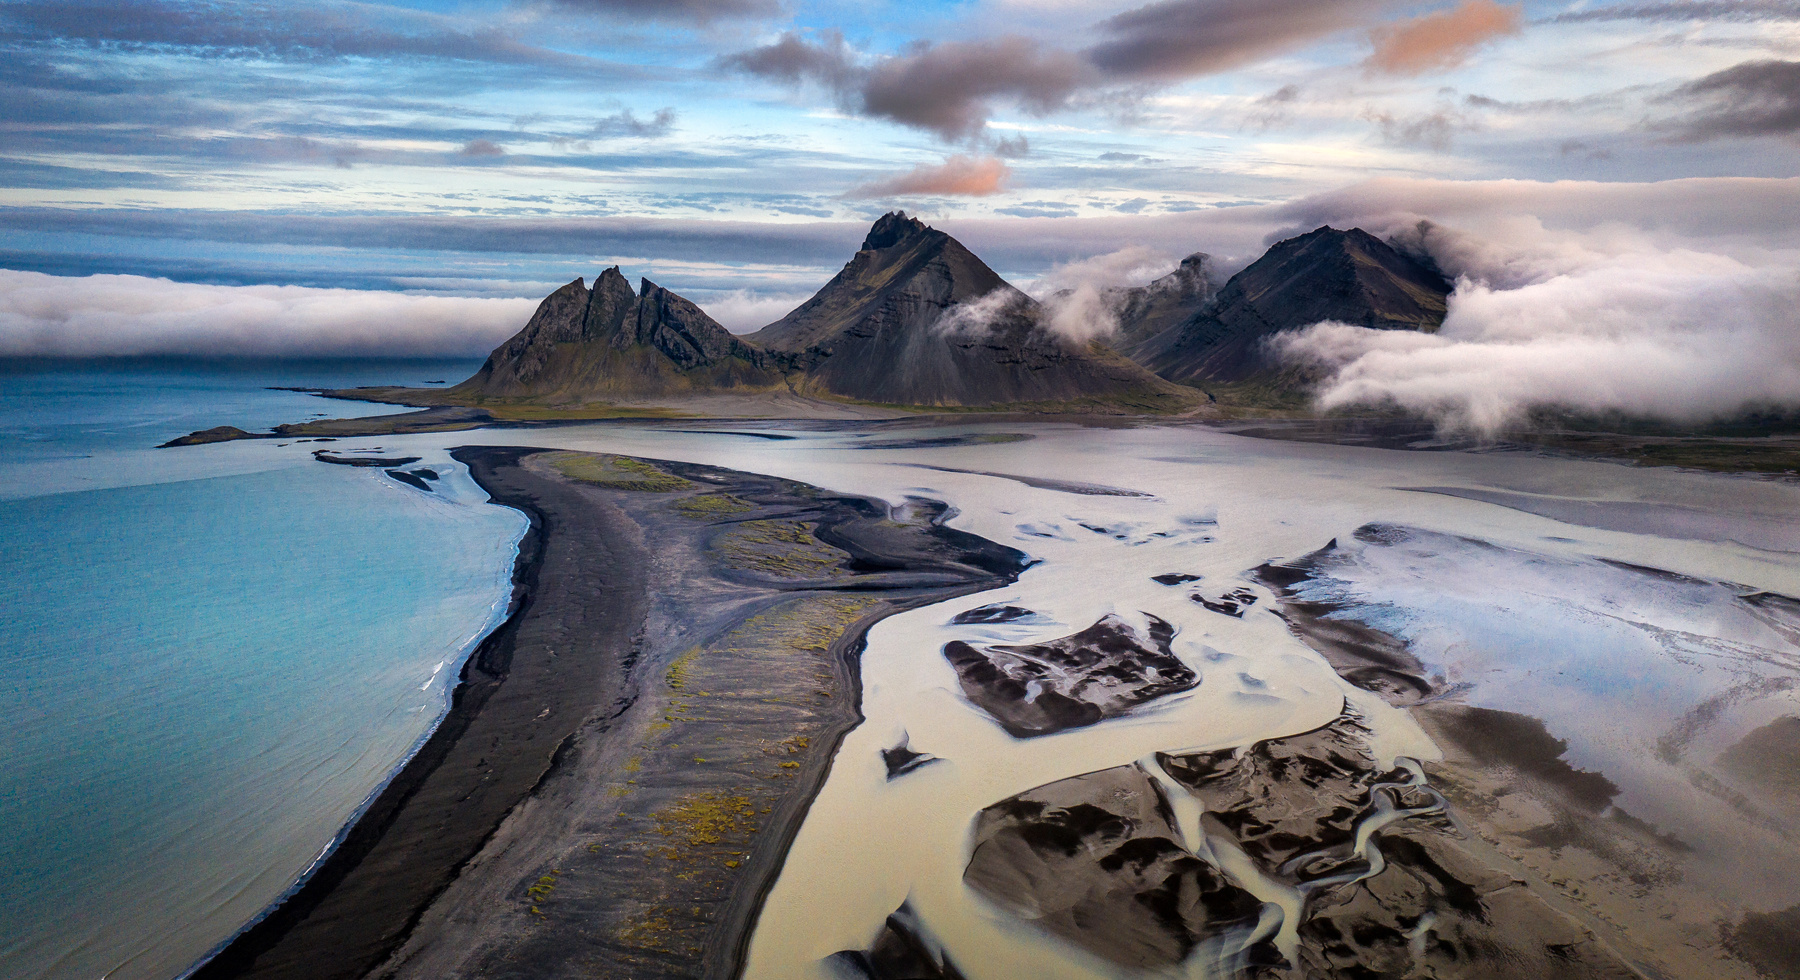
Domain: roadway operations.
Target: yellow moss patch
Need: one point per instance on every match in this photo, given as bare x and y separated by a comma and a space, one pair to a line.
678, 670
781, 548
706, 818
617, 472
711, 506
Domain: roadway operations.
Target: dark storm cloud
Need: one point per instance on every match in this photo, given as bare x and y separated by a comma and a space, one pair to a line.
948, 89
1179, 39
951, 88
1738, 10
1756, 98
266, 30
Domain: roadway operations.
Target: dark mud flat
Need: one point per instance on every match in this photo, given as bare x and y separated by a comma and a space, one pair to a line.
629, 756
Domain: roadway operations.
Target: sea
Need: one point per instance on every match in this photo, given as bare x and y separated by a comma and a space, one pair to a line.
210, 657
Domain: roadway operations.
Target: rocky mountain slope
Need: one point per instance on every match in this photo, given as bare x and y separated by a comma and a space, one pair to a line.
1145, 311
1348, 276
915, 318
583, 345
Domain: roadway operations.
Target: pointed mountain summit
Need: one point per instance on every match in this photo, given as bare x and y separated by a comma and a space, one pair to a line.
915, 318
1347, 276
609, 341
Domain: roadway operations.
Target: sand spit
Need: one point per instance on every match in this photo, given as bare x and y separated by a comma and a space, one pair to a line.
629, 756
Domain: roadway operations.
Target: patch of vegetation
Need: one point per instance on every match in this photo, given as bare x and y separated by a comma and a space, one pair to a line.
617, 472
677, 676
782, 549
711, 506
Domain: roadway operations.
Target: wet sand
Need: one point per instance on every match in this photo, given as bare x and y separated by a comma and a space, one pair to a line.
628, 757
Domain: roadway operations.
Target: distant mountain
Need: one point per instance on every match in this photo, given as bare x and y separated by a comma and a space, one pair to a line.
1348, 276
583, 345
1145, 311
915, 318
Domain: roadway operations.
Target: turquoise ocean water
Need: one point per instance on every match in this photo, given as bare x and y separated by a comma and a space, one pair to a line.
211, 656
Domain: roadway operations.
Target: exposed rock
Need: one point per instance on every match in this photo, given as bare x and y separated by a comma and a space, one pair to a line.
1347, 276
1145, 311
997, 613
916, 319
1101, 672
607, 342
902, 951
218, 433
1098, 860
901, 759
1232, 603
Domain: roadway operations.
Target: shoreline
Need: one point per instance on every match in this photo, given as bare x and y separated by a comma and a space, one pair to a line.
548, 704
482, 671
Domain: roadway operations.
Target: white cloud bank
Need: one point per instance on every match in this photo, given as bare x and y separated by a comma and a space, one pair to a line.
109, 315
1679, 303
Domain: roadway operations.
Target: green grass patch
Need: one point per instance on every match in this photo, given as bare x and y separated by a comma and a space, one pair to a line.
711, 506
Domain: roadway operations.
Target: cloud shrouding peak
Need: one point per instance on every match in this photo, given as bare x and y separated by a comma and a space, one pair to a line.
1655, 300
110, 316
1434, 42
962, 176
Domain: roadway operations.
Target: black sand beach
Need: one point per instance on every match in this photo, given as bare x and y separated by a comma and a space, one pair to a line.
628, 757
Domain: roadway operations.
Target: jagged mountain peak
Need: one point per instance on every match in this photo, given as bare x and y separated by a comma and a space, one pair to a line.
891, 229
1349, 276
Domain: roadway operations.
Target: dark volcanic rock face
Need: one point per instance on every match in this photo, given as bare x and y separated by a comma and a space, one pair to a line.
1347, 276
1097, 859
916, 319
1101, 672
583, 344
1148, 310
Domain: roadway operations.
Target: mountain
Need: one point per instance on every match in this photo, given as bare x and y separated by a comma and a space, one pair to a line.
915, 318
1145, 311
585, 344
1348, 276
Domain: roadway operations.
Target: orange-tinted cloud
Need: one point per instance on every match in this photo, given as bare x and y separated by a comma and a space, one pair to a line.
960, 175
1442, 40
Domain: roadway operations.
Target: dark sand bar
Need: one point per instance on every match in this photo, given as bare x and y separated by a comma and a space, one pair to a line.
628, 756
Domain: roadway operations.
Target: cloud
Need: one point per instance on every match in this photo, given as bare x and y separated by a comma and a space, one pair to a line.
949, 89
292, 32
111, 315
979, 316
748, 310
482, 148
1609, 318
1179, 39
962, 176
1755, 98
687, 11
1443, 40
1733, 10
625, 123
1081, 298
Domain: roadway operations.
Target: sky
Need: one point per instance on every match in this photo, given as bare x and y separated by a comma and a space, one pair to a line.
392, 158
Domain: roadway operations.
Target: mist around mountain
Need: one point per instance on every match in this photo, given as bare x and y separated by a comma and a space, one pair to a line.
913, 319
916, 318
1326, 275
